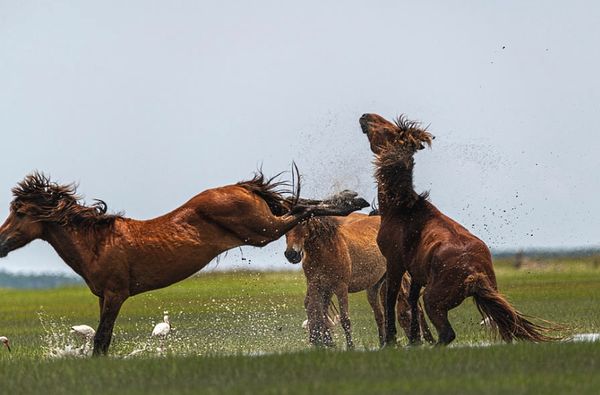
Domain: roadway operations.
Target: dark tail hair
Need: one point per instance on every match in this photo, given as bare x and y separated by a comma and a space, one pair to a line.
510, 323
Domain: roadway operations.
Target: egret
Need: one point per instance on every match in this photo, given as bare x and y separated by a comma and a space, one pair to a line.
330, 323
5, 341
161, 330
86, 333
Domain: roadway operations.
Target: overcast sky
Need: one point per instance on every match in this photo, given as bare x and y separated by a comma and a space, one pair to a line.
147, 103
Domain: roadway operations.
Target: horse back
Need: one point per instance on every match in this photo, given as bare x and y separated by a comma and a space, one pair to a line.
446, 248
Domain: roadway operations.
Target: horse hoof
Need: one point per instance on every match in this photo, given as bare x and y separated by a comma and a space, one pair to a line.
390, 343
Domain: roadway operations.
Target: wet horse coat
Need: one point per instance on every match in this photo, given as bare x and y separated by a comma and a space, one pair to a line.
438, 252
339, 256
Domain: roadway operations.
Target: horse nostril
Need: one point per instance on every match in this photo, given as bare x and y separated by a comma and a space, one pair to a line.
292, 256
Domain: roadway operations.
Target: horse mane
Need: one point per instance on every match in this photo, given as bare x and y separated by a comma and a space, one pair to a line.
47, 201
321, 229
412, 134
395, 163
271, 191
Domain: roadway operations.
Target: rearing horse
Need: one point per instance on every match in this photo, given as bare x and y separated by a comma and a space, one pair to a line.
120, 257
440, 254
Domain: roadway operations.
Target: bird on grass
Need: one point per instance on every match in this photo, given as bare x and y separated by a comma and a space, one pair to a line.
161, 330
86, 333
330, 322
4, 340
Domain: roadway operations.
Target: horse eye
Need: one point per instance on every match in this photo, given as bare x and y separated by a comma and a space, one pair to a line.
20, 214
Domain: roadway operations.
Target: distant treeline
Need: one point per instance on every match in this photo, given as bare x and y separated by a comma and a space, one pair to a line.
549, 253
16, 280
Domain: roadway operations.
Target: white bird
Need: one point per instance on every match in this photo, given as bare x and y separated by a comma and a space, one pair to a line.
305, 324
5, 341
162, 329
329, 323
85, 332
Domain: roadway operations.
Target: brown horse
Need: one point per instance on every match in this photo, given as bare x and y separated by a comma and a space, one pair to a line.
438, 253
340, 255
120, 257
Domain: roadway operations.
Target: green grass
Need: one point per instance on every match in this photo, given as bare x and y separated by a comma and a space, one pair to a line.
240, 333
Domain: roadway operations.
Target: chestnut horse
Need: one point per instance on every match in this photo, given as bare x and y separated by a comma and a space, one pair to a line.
438, 253
340, 255
120, 257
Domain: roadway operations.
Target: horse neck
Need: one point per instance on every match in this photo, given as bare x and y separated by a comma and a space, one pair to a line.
395, 187
75, 246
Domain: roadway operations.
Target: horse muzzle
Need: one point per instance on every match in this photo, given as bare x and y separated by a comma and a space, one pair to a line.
293, 256
4, 247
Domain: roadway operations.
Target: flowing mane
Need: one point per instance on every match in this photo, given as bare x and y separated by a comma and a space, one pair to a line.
47, 201
394, 165
394, 174
321, 229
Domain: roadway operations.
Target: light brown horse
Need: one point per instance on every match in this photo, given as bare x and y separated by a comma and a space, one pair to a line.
340, 255
438, 253
120, 257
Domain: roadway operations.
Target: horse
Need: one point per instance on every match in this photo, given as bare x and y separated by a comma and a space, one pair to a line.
120, 257
440, 254
339, 256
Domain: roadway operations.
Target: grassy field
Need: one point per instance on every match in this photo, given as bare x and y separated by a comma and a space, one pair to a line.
240, 333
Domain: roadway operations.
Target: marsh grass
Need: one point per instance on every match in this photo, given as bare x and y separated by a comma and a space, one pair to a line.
241, 333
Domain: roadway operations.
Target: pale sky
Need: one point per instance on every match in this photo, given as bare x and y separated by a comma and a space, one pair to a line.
147, 103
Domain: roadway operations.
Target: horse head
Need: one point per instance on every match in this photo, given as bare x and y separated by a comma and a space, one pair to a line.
383, 133
39, 203
295, 243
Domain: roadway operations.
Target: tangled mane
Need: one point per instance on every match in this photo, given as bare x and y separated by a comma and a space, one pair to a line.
394, 174
47, 201
412, 134
320, 229
271, 191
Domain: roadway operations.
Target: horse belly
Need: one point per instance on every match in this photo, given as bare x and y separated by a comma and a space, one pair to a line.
367, 269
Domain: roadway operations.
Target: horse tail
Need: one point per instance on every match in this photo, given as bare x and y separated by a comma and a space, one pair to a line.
510, 323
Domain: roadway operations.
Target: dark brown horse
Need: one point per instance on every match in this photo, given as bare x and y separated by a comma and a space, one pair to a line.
438, 253
120, 257
339, 256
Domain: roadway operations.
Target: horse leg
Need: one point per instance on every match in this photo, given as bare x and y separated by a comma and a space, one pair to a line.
424, 326
111, 306
403, 307
414, 337
314, 312
326, 302
373, 294
437, 309
101, 303
342, 297
393, 280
